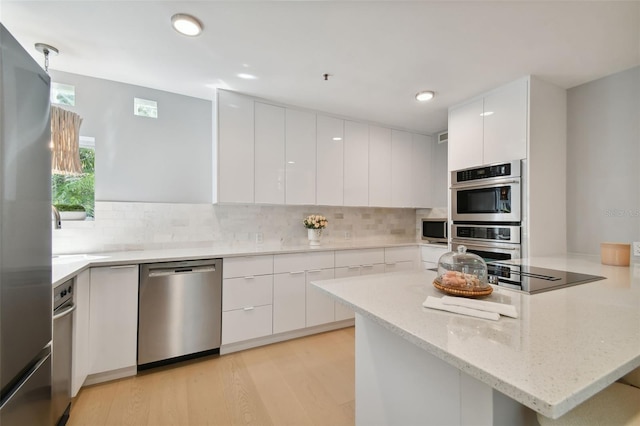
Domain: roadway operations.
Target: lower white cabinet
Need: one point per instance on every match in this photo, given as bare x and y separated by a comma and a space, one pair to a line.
431, 255
247, 323
289, 301
401, 258
80, 352
113, 318
320, 307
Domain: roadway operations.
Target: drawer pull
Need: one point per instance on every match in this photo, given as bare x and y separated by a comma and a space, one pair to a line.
296, 272
249, 277
367, 266
123, 266
314, 271
391, 263
353, 267
248, 308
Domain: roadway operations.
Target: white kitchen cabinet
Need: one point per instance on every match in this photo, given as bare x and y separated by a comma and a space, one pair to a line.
330, 161
242, 292
439, 175
289, 301
352, 263
113, 318
466, 135
295, 262
320, 307
300, 149
247, 323
430, 255
80, 359
379, 166
235, 148
422, 185
401, 258
356, 164
505, 123
401, 184
244, 266
269, 154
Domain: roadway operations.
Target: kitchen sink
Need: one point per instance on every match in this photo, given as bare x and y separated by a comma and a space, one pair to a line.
71, 258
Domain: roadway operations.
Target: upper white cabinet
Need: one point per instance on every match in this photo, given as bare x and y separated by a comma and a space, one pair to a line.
235, 148
505, 123
465, 135
421, 179
269, 154
300, 148
330, 161
356, 164
439, 175
490, 129
379, 166
401, 184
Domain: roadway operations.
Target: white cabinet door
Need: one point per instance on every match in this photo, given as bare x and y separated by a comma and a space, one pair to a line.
439, 175
401, 185
421, 146
235, 148
356, 164
247, 323
289, 302
113, 318
269, 154
320, 307
465, 135
81, 358
399, 266
379, 166
432, 254
505, 123
300, 149
330, 161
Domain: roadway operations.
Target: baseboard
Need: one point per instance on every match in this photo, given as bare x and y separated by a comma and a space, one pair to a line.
120, 373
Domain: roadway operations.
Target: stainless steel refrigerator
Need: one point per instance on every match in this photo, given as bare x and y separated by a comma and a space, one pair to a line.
25, 238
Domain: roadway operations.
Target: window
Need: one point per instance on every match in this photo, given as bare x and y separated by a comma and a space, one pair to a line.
145, 108
63, 94
78, 190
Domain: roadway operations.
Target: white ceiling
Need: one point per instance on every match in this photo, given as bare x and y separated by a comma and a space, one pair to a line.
378, 53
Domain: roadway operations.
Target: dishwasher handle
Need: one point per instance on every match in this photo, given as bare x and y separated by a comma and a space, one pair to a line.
181, 270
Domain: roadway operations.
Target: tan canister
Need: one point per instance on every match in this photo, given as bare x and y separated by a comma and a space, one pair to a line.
616, 254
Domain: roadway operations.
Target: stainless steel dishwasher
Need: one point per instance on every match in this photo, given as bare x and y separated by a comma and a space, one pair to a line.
180, 311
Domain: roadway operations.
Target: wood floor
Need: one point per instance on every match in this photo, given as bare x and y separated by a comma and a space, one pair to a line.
306, 381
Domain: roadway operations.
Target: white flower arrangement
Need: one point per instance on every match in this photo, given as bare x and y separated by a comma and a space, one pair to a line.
315, 221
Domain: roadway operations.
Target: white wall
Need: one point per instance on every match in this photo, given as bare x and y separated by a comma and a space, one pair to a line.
167, 159
603, 162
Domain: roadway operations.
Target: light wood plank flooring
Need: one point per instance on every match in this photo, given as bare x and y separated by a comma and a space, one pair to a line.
306, 381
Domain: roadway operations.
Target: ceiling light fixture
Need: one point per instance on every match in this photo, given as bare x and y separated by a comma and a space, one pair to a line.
425, 96
46, 50
186, 24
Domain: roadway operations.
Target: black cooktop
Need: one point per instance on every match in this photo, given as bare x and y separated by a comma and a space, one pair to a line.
532, 280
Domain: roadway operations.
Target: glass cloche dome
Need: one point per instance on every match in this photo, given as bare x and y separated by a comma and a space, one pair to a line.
462, 270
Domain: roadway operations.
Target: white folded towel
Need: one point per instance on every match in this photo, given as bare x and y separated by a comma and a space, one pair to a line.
482, 305
436, 303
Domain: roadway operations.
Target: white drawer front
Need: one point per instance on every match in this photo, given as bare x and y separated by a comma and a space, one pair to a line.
245, 292
398, 266
400, 254
245, 324
246, 266
359, 257
296, 262
432, 254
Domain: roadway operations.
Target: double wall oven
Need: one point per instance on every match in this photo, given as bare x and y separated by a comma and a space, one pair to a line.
486, 209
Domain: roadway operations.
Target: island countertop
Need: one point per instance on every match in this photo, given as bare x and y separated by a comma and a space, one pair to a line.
567, 344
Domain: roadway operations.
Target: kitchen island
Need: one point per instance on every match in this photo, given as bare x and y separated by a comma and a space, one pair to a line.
416, 365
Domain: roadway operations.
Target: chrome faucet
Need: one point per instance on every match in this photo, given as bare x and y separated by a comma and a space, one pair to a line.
58, 224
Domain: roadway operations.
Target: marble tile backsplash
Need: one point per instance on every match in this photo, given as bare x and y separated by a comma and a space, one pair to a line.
137, 226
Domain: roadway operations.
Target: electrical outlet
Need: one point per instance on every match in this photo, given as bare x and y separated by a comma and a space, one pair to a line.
259, 238
347, 235
636, 248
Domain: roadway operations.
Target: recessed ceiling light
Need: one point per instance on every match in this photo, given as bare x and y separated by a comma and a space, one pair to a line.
186, 24
247, 76
425, 96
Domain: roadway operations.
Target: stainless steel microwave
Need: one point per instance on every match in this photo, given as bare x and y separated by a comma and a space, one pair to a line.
435, 230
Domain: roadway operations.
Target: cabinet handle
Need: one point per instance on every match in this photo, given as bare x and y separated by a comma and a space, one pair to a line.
353, 267
123, 266
367, 266
390, 263
249, 277
248, 308
314, 271
297, 272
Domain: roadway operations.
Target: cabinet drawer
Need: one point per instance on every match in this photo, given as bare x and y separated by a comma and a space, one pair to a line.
249, 291
398, 266
245, 324
296, 262
247, 266
432, 254
359, 257
400, 254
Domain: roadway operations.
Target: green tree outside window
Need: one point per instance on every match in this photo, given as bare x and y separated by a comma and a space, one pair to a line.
80, 189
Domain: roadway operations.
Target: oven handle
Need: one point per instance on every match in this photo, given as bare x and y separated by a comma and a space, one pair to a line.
471, 244
493, 184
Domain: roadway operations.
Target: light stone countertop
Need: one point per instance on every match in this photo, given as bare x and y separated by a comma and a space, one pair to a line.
67, 266
567, 345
